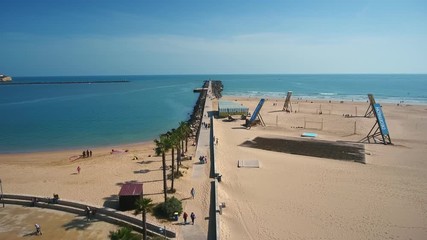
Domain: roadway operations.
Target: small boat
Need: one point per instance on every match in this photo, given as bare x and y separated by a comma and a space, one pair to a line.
4, 78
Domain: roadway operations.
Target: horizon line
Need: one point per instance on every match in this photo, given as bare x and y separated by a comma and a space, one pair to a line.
216, 74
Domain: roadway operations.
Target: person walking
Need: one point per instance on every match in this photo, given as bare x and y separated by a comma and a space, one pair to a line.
193, 192
38, 229
185, 217
78, 169
193, 216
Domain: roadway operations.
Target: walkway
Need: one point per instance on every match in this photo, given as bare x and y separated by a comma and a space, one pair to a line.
200, 181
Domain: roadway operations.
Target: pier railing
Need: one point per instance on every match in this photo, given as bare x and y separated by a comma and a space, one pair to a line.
214, 208
104, 214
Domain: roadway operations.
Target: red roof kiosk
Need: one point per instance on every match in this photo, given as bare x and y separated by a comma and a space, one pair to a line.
128, 194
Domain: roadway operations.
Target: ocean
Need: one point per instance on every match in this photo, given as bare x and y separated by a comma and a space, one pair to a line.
81, 116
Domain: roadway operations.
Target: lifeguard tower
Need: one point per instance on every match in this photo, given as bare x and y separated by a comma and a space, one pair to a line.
370, 110
287, 107
379, 132
256, 116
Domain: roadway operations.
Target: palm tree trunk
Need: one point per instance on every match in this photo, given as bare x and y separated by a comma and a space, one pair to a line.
173, 169
178, 159
144, 224
186, 144
165, 187
182, 146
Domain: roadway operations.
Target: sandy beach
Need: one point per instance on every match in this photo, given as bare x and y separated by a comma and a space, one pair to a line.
300, 197
100, 177
288, 197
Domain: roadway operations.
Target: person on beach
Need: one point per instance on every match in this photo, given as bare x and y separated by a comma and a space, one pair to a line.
193, 192
38, 229
185, 216
78, 169
193, 216
87, 152
88, 213
90, 153
84, 154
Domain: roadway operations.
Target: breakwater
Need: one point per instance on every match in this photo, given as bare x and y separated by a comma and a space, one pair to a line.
70, 82
217, 88
195, 120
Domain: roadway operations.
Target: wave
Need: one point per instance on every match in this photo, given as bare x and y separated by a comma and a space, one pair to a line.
331, 96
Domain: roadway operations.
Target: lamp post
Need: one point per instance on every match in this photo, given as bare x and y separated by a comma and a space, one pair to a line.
163, 230
1, 193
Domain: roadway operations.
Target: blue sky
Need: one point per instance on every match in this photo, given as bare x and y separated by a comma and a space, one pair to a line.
61, 37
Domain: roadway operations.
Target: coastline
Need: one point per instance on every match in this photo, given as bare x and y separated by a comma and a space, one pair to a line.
96, 180
306, 183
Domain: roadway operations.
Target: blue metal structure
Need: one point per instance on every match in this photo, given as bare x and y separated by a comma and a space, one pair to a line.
255, 113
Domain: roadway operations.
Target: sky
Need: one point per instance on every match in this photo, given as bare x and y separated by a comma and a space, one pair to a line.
150, 37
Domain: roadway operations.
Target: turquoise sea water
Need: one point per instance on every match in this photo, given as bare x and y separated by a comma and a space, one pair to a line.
68, 116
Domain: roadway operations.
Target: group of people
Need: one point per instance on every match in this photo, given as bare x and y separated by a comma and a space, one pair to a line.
206, 125
87, 153
203, 159
55, 198
89, 212
192, 216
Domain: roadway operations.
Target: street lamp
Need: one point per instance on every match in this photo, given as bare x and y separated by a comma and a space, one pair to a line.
1, 193
163, 230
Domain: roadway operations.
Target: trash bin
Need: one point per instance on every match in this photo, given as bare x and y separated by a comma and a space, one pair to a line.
219, 177
175, 216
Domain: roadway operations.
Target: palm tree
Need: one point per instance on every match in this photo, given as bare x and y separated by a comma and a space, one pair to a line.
175, 144
186, 132
162, 146
181, 134
143, 205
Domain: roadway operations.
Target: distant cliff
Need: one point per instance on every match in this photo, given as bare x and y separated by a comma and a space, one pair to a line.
4, 78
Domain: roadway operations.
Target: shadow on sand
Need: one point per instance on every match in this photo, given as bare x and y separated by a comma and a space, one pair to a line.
142, 171
111, 202
78, 223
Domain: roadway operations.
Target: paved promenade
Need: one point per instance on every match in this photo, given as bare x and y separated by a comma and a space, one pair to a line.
200, 181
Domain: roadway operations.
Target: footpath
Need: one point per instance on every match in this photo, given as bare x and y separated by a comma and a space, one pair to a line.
200, 181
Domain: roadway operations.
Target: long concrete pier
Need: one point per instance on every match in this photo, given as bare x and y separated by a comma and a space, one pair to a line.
203, 178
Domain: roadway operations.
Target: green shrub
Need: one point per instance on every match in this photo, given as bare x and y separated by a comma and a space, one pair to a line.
168, 208
124, 233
